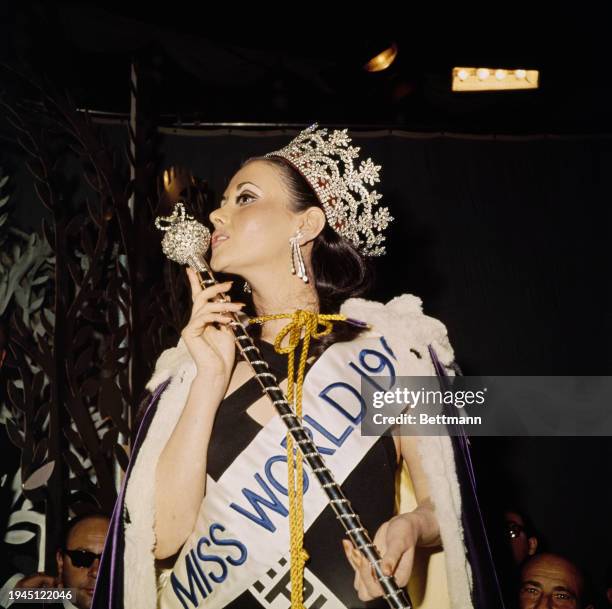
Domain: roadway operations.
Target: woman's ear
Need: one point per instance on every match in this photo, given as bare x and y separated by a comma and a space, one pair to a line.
313, 222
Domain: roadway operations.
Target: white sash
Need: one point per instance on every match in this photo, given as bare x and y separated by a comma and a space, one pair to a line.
241, 537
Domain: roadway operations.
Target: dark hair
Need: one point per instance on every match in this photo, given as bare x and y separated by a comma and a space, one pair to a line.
340, 270
528, 525
76, 519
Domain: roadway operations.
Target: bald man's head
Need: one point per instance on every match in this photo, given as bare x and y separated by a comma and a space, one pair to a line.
79, 558
551, 580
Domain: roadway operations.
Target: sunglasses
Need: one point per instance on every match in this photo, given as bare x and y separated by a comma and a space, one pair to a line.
81, 558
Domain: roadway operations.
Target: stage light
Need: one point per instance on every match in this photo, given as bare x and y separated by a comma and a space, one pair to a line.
481, 79
382, 60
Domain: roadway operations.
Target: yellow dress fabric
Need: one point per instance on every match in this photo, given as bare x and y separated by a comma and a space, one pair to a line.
427, 586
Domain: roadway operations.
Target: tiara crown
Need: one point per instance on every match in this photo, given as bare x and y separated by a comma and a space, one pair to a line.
328, 166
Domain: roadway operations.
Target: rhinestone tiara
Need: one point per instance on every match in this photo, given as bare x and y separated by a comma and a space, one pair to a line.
327, 165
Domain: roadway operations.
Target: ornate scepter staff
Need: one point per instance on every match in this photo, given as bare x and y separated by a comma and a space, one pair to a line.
186, 241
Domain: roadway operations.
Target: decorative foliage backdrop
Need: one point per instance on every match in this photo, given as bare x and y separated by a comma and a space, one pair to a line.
87, 306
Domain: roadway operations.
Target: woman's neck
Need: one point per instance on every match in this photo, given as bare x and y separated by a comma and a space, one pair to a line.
305, 298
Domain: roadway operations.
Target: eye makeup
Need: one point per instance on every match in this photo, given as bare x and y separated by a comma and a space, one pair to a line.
224, 198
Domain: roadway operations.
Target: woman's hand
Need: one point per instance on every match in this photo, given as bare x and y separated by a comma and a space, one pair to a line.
212, 349
396, 540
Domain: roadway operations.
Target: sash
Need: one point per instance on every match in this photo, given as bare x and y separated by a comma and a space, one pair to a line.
241, 537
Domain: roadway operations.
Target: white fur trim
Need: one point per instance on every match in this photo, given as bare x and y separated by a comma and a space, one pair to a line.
404, 326
140, 581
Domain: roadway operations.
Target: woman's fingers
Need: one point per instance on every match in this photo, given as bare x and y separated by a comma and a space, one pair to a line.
197, 291
348, 552
404, 568
217, 307
207, 318
370, 588
196, 288
207, 294
198, 324
210, 291
367, 576
365, 584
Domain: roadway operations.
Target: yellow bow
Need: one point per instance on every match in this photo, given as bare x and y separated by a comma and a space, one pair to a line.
309, 321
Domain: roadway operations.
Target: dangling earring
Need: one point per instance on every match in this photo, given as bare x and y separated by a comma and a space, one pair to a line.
296, 253
246, 287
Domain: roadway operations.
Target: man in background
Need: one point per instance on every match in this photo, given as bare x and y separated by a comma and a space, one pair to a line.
77, 562
520, 534
550, 580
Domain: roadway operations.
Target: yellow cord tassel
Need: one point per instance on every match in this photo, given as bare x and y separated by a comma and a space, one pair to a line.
308, 321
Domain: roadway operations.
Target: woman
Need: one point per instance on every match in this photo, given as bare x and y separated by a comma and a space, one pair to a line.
205, 517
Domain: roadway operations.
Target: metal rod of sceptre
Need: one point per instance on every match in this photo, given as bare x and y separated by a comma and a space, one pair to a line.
186, 241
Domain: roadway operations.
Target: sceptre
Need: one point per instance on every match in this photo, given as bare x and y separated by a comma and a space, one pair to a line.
187, 241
